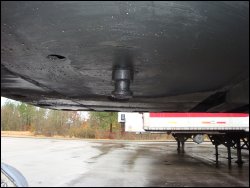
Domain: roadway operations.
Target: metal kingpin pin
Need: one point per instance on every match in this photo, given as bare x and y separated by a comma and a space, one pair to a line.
122, 78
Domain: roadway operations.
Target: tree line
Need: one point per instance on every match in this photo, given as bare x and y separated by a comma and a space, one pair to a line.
24, 117
17, 116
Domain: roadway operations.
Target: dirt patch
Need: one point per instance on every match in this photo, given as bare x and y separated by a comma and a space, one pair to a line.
16, 133
26, 134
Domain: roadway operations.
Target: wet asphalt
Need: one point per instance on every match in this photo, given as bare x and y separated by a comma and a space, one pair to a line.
54, 162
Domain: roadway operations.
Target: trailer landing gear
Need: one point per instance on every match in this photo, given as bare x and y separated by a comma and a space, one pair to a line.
181, 139
230, 140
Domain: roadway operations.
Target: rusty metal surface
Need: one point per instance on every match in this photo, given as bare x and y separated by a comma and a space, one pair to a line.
67, 51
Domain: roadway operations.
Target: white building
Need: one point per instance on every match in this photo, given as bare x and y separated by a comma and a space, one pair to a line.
132, 120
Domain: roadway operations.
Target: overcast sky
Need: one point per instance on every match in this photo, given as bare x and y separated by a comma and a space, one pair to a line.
4, 100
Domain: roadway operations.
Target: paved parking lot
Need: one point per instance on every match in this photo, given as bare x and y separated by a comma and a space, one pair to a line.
54, 162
